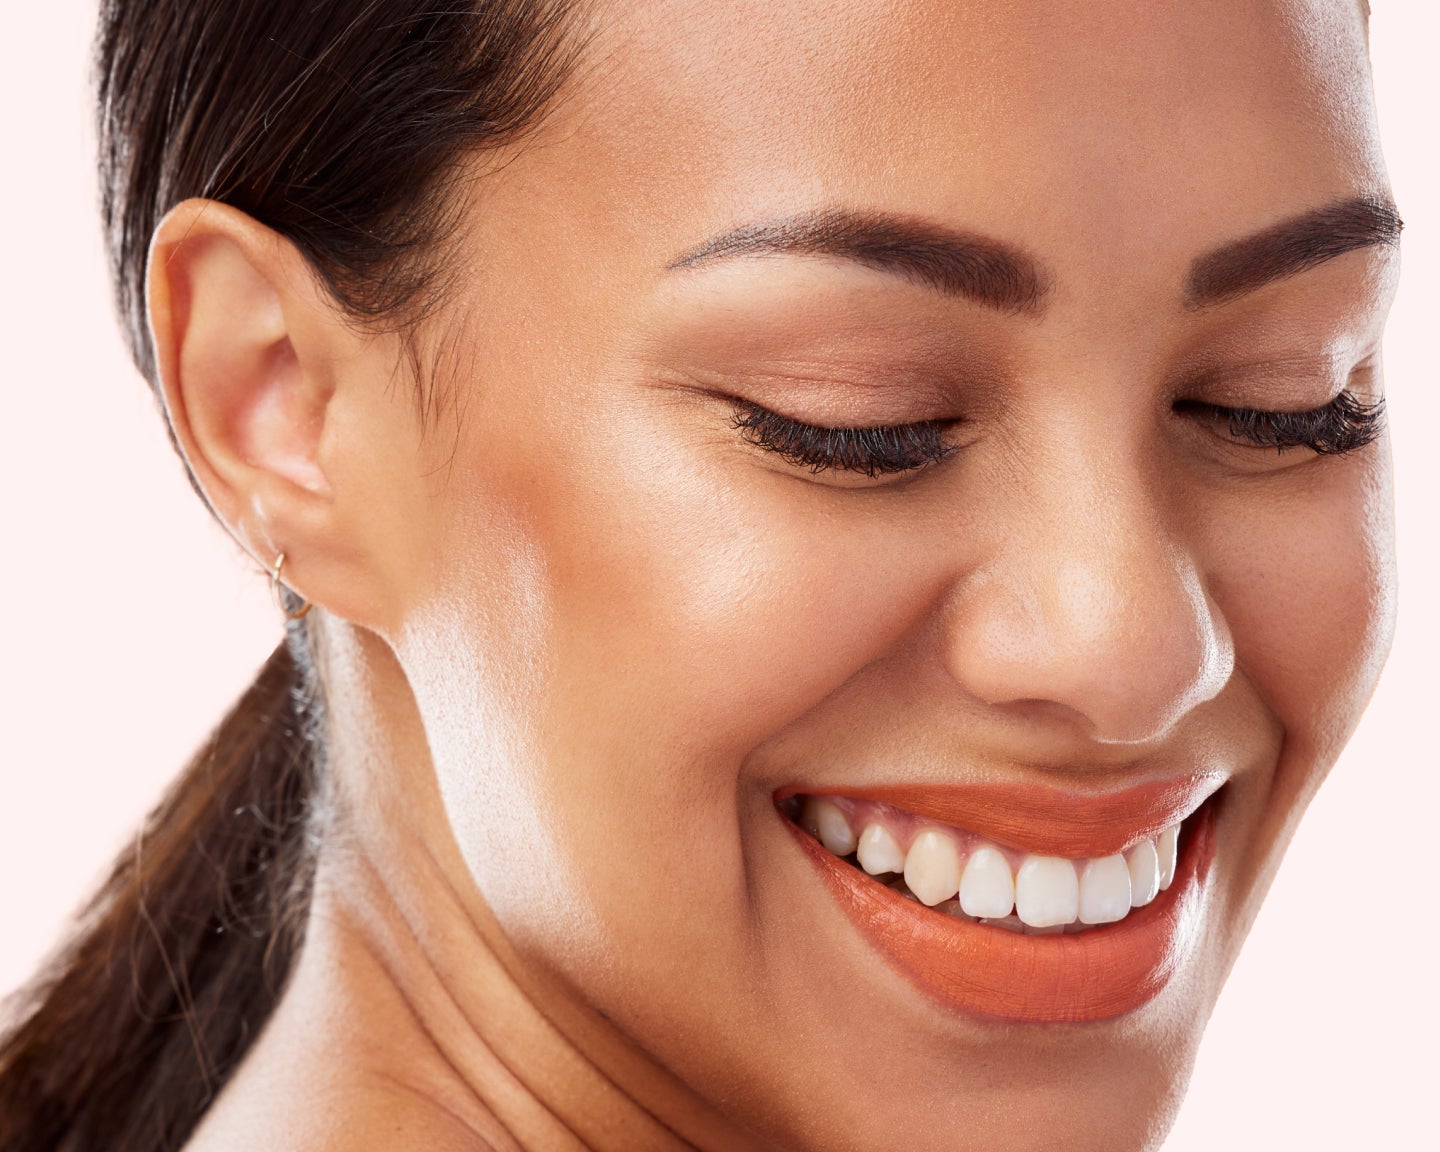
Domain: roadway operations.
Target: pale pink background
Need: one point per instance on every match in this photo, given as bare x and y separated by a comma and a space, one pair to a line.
132, 621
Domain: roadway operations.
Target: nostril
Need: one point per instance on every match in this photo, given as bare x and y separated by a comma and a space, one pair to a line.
1124, 661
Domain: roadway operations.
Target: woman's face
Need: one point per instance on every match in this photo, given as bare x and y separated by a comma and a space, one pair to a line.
1064, 609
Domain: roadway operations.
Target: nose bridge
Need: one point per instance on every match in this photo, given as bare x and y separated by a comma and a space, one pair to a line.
1092, 603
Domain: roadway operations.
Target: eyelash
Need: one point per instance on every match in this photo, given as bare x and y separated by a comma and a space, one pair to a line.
877, 451
1346, 424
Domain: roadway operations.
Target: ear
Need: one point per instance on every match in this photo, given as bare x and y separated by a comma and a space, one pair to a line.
247, 344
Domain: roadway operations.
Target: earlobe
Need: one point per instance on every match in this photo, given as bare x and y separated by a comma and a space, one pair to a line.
242, 337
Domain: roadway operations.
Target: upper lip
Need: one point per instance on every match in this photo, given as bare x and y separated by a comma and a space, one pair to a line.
1045, 819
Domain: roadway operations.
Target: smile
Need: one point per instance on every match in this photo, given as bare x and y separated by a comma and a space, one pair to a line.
1019, 903
963, 875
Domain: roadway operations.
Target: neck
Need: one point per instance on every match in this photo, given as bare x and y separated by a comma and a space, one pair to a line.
408, 1009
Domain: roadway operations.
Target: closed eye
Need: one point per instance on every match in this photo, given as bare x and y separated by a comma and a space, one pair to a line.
1346, 424
870, 451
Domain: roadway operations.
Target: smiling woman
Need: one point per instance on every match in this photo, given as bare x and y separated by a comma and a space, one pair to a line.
832, 528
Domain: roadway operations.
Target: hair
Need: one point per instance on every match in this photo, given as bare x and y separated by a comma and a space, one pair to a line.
343, 125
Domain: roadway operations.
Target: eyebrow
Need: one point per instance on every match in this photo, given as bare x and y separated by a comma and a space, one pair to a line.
1290, 247
1004, 277
956, 263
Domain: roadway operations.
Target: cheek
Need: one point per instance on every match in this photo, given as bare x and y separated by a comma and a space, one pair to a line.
695, 615
1306, 580
736, 609
647, 627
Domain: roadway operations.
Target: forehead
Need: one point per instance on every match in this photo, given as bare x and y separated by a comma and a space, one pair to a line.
1154, 122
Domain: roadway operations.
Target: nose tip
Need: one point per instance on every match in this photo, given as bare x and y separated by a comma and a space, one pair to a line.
1129, 644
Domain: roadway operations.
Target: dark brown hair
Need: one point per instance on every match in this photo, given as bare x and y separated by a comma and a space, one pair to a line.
342, 124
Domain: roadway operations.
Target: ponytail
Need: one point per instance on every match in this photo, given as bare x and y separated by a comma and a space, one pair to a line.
339, 124
123, 1041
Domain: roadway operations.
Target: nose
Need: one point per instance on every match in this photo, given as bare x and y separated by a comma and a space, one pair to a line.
1091, 606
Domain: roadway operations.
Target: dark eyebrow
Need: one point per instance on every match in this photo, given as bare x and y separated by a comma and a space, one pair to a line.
955, 263
1292, 246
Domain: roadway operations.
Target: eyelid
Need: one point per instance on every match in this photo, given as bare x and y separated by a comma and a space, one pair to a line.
870, 450
859, 396
1288, 382
1344, 424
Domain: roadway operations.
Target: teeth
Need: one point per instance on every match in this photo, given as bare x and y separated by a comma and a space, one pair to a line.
879, 851
1144, 863
1047, 891
1167, 847
932, 867
960, 875
824, 820
1105, 890
987, 887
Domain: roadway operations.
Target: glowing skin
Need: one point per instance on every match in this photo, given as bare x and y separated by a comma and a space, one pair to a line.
579, 633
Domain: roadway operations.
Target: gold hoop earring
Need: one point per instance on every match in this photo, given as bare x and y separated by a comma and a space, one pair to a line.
278, 592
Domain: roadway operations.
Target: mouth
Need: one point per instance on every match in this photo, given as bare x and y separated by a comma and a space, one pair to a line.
1019, 903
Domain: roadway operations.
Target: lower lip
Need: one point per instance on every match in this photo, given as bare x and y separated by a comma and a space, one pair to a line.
977, 969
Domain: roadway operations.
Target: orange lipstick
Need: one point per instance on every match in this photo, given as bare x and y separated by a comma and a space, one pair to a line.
1046, 820
980, 969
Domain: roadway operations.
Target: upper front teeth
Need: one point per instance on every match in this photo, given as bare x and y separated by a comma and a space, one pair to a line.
1144, 863
1167, 848
1105, 890
881, 852
932, 867
987, 887
1044, 892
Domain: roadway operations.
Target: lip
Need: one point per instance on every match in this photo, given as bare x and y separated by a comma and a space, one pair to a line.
984, 971
1045, 820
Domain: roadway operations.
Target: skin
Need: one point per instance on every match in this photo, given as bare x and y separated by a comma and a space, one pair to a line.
576, 632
